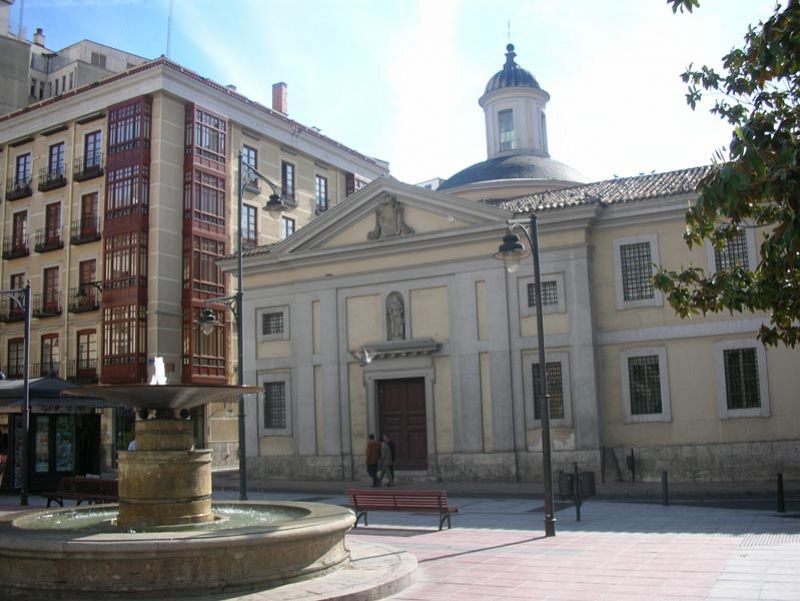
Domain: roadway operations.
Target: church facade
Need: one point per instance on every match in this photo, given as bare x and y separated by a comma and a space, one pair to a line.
389, 314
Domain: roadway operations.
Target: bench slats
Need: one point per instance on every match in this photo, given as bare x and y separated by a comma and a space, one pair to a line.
363, 500
79, 489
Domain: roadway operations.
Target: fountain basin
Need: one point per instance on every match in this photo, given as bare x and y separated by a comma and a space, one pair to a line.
70, 564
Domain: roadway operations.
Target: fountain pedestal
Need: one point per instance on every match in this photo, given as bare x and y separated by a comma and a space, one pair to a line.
164, 482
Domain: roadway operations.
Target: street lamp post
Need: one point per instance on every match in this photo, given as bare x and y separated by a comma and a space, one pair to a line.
234, 303
511, 252
22, 298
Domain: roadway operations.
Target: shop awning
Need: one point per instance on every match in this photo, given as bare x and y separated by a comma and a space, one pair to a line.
46, 396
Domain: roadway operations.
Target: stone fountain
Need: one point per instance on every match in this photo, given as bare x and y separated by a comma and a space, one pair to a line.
166, 539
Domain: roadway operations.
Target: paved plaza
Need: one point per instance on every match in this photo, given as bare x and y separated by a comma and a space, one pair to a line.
620, 550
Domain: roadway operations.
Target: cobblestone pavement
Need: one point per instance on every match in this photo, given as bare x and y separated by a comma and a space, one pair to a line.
620, 550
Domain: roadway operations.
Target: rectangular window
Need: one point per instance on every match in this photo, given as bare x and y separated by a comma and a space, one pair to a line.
124, 334
555, 388
128, 126
128, 190
89, 224
52, 222
249, 226
644, 381
505, 126
87, 351
321, 193
125, 260
98, 60
33, 88
275, 405
272, 324
23, 172
287, 227
549, 293
249, 158
16, 358
741, 378
287, 180
209, 198
734, 254
208, 277
71, 79
92, 149
50, 289
637, 271
49, 355
19, 230
209, 136
645, 385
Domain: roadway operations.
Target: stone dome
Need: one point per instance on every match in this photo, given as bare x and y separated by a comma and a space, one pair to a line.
518, 166
511, 75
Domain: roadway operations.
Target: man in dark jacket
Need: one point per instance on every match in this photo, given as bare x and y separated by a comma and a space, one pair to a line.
373, 455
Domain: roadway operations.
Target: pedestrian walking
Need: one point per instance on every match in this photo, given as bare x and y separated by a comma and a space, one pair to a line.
372, 457
392, 456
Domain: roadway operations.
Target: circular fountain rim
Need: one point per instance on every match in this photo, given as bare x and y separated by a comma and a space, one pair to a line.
316, 515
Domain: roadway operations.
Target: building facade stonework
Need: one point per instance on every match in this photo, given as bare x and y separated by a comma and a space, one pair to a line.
700, 399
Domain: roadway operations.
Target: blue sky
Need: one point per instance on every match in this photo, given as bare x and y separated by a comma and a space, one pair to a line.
400, 79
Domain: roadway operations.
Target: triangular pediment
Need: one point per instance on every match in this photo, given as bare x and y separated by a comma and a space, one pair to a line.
387, 210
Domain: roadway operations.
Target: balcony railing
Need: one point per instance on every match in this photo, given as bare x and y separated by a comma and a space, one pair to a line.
50, 179
16, 247
84, 231
83, 298
17, 188
47, 239
11, 311
87, 167
45, 369
82, 371
46, 304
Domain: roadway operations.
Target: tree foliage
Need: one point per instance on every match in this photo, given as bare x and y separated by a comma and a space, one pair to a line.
754, 185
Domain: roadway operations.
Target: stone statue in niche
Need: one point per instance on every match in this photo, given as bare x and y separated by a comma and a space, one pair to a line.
389, 221
395, 317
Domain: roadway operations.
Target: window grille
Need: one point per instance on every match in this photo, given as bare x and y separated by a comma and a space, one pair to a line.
555, 389
549, 293
644, 380
734, 254
275, 405
741, 378
272, 324
636, 271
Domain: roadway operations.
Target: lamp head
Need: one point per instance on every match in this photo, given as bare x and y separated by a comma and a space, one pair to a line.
274, 204
208, 321
511, 252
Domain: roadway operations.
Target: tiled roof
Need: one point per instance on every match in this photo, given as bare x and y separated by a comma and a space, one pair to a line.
611, 191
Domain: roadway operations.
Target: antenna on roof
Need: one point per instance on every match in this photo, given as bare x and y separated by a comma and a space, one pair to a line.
19, 27
169, 28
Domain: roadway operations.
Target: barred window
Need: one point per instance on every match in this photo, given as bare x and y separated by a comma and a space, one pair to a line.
734, 254
275, 405
272, 323
555, 388
644, 379
549, 293
741, 378
637, 271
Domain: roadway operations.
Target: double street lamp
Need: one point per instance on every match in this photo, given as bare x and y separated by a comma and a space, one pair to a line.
511, 252
208, 319
21, 297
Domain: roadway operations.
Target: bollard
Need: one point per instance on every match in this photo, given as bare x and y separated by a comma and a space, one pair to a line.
577, 491
781, 501
664, 489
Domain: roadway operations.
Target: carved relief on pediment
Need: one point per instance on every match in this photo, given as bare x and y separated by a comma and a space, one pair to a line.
389, 220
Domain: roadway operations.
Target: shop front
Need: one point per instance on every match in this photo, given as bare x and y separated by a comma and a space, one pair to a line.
64, 435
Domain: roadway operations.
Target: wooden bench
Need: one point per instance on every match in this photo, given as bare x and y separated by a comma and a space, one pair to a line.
81, 488
434, 501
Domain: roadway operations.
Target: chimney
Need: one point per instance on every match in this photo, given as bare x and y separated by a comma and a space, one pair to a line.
38, 37
279, 94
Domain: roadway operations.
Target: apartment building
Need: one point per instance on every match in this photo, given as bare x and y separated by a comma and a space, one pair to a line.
119, 197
